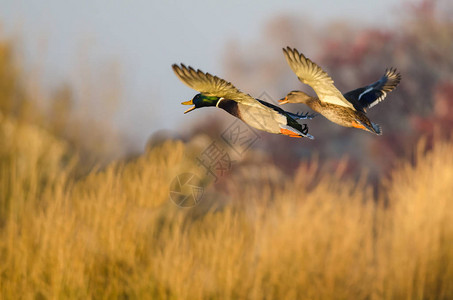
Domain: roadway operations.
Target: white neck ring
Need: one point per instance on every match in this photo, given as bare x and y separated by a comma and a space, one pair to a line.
217, 105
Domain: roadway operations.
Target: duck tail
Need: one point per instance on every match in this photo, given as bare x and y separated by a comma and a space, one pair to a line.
376, 128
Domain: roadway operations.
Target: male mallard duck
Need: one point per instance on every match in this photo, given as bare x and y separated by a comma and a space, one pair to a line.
346, 110
259, 114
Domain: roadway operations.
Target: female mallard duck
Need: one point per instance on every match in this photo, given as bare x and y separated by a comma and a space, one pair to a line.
346, 110
259, 114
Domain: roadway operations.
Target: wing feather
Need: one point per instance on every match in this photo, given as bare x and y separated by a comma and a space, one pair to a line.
310, 73
211, 85
370, 95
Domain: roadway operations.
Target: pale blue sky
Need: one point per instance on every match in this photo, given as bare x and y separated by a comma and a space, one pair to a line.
146, 37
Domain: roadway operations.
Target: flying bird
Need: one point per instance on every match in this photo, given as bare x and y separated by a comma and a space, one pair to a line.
216, 92
348, 110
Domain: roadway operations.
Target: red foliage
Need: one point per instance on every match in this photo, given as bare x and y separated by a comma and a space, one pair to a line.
419, 47
440, 122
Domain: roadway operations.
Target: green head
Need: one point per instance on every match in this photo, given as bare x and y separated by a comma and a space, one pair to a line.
201, 100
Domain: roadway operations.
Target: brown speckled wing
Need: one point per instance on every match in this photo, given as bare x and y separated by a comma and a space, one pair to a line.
310, 73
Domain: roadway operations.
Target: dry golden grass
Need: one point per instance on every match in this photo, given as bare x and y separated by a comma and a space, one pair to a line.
115, 234
84, 122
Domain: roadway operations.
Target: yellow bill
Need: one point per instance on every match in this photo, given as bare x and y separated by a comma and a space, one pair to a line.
188, 103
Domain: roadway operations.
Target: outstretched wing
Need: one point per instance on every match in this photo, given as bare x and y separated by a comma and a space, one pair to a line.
370, 95
311, 74
211, 85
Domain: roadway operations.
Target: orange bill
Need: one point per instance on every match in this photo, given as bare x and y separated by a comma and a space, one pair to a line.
283, 101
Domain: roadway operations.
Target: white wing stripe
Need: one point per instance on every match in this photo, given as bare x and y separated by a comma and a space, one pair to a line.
366, 91
378, 99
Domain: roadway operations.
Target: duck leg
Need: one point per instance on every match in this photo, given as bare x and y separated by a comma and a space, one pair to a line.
293, 132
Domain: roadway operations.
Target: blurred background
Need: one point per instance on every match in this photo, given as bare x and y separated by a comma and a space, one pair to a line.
109, 63
93, 135
62, 41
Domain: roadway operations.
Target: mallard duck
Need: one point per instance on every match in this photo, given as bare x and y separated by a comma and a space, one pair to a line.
348, 109
259, 114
